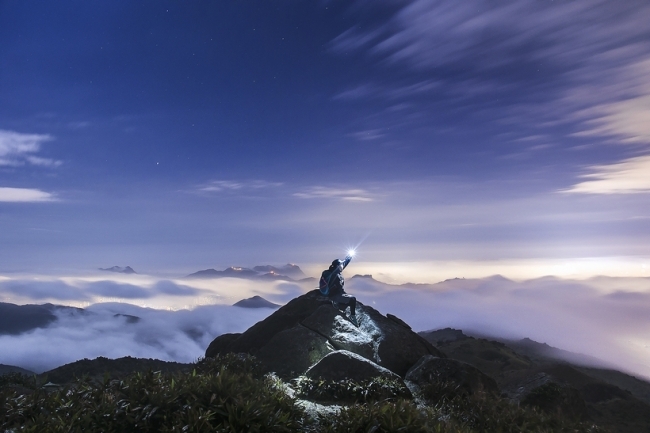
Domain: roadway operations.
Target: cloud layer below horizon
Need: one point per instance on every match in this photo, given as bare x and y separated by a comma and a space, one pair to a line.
601, 317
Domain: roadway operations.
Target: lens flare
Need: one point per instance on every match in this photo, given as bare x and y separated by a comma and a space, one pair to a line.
351, 252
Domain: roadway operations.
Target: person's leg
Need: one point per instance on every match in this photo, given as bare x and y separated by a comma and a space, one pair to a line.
353, 311
353, 305
342, 300
345, 299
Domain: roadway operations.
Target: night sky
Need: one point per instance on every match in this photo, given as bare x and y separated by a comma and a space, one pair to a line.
444, 138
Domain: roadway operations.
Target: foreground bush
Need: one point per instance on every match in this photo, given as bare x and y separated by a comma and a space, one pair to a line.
224, 396
468, 416
231, 394
348, 391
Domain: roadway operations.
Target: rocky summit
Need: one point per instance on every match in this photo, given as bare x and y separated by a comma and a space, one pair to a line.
310, 331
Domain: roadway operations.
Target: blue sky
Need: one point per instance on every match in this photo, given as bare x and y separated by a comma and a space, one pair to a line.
177, 136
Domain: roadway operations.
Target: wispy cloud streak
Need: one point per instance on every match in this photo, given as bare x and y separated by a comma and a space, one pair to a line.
18, 149
24, 195
626, 177
233, 186
583, 63
321, 192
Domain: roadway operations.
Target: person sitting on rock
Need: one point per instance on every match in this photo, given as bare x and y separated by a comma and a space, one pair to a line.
331, 285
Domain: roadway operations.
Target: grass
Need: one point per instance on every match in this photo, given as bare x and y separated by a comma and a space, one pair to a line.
232, 394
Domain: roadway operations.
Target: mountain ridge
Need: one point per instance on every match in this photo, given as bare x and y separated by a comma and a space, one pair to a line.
119, 270
289, 272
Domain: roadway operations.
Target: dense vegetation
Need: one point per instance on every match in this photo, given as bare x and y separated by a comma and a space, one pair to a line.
231, 394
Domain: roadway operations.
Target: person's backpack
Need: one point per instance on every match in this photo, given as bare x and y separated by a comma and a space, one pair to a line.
324, 284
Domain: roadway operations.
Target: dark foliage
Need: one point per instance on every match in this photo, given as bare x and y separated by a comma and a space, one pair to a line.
349, 391
231, 394
553, 398
217, 400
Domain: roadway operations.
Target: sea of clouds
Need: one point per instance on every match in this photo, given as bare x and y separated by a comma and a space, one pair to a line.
602, 317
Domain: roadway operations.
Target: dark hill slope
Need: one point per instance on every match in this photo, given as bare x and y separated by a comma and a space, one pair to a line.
551, 383
115, 368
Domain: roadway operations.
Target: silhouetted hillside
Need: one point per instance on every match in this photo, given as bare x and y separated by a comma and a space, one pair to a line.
5, 369
530, 371
116, 368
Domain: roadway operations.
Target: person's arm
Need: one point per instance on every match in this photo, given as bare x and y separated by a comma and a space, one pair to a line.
346, 261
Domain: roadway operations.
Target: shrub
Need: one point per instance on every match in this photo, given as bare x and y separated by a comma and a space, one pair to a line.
230, 394
398, 416
210, 399
483, 412
349, 391
18, 379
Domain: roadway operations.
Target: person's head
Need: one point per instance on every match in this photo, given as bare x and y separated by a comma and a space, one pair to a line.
336, 263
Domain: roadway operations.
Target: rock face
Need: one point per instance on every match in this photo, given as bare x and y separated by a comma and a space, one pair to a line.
341, 364
468, 379
308, 328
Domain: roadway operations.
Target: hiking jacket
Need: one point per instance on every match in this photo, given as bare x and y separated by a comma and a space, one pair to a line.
336, 280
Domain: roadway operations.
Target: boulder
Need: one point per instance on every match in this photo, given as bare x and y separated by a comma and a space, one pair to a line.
299, 334
398, 347
398, 320
462, 377
342, 364
257, 336
340, 332
291, 352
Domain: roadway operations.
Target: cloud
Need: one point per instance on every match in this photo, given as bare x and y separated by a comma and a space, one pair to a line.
541, 63
579, 316
620, 107
180, 336
388, 91
353, 39
321, 192
114, 289
229, 186
167, 287
78, 125
24, 195
368, 135
485, 35
629, 176
17, 149
359, 92
38, 290
247, 188
91, 291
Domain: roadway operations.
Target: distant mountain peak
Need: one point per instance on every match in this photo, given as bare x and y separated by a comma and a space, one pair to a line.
255, 302
118, 269
365, 276
453, 279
